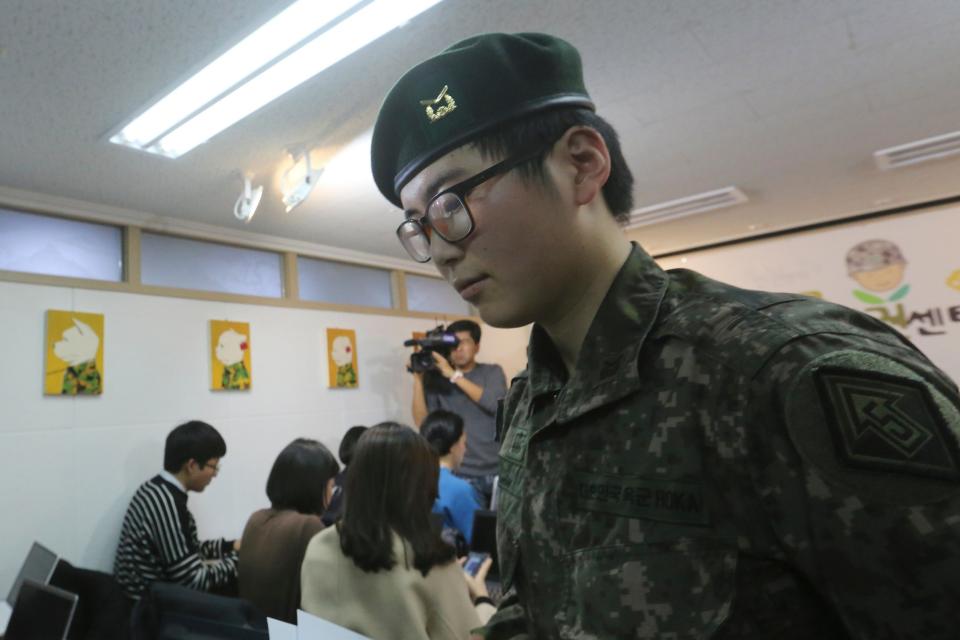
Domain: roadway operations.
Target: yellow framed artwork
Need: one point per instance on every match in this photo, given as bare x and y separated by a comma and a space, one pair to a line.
74, 354
342, 358
231, 366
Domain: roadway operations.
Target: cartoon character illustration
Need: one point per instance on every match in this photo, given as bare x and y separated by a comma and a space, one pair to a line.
230, 349
341, 351
78, 348
878, 266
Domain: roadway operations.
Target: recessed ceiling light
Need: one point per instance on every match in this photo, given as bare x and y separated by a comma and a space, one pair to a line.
212, 100
920, 151
674, 209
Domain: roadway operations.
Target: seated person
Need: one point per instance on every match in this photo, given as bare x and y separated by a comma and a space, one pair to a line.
456, 498
275, 539
158, 540
347, 444
382, 570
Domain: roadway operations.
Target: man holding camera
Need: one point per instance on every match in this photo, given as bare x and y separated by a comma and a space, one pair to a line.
471, 390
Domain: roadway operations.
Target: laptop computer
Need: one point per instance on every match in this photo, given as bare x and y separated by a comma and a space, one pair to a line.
41, 611
38, 566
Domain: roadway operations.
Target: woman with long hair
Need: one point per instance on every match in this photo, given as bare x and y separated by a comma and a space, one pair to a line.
383, 570
275, 539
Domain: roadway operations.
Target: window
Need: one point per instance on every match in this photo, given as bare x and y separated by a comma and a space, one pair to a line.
59, 247
167, 261
434, 295
327, 281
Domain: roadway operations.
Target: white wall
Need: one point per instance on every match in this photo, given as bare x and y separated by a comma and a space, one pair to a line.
68, 466
816, 261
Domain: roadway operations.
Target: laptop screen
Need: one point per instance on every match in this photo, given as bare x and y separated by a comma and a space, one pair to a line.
41, 611
38, 566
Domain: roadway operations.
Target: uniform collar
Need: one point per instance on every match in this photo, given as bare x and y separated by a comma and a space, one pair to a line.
606, 369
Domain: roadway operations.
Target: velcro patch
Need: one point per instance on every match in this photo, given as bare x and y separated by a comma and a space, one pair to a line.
887, 423
634, 497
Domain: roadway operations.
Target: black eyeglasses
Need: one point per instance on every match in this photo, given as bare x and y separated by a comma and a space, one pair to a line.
215, 467
447, 212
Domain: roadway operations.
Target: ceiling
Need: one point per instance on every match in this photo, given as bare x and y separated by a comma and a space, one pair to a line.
786, 99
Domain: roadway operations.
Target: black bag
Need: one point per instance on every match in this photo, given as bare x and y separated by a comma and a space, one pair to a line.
174, 612
103, 609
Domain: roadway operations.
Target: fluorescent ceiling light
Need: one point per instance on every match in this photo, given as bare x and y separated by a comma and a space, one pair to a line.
284, 30
329, 47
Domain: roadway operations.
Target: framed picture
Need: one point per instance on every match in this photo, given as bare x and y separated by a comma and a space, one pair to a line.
231, 366
342, 358
74, 354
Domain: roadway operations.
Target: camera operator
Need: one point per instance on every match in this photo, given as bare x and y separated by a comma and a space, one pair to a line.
471, 390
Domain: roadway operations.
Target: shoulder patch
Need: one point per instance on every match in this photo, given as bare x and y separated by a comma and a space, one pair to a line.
885, 426
881, 422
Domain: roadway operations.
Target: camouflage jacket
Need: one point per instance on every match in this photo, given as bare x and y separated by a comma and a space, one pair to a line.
82, 379
346, 376
725, 463
235, 376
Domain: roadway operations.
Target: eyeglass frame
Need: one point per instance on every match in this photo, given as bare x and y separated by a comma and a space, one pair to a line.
215, 467
462, 189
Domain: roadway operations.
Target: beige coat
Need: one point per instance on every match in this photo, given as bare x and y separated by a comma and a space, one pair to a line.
398, 604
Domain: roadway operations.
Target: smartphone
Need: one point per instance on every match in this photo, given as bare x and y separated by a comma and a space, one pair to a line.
474, 560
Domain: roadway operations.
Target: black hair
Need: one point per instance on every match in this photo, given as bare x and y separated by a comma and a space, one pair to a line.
545, 128
194, 440
391, 486
442, 429
349, 443
465, 325
299, 477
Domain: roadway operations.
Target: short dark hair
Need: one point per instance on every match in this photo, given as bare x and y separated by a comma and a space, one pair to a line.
546, 127
349, 443
194, 440
442, 429
299, 477
391, 486
465, 325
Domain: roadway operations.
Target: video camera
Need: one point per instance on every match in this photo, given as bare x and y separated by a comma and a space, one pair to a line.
436, 340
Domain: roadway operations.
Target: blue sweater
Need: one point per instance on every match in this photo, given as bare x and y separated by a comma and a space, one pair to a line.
457, 501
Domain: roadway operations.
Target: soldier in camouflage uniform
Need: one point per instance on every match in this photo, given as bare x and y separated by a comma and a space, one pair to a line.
681, 458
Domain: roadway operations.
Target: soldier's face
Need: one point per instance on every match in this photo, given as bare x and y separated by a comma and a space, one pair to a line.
523, 250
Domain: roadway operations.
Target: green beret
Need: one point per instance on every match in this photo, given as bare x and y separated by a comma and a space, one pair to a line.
465, 91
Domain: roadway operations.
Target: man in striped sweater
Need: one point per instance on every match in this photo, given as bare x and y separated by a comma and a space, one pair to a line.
159, 540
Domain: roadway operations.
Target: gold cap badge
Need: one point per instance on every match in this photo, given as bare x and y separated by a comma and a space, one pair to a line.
449, 104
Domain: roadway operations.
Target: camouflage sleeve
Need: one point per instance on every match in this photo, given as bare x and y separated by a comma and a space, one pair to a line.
509, 622
858, 467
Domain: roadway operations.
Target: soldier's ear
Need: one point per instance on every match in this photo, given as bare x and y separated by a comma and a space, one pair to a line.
587, 160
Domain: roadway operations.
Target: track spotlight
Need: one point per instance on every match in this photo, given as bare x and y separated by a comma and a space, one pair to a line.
248, 201
295, 191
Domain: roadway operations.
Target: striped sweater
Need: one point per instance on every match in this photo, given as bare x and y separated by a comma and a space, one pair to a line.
158, 541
